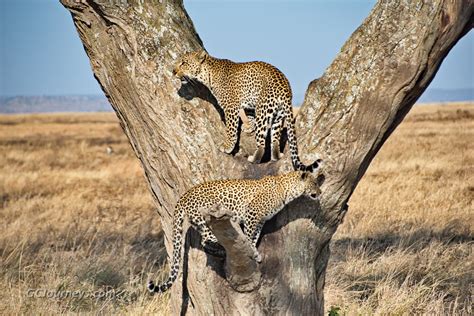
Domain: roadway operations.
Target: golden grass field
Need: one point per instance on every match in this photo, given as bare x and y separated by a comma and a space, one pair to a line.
75, 218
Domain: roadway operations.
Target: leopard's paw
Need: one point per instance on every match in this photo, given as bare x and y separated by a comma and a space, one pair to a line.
225, 149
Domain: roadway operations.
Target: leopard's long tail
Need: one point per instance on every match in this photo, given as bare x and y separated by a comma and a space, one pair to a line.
176, 259
295, 159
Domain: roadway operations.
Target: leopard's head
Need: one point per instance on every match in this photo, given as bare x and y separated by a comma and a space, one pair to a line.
189, 67
311, 184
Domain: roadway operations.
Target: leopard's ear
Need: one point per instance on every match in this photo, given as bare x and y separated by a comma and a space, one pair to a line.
202, 55
304, 175
320, 179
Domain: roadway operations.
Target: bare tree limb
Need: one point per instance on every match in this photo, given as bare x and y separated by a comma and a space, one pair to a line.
241, 266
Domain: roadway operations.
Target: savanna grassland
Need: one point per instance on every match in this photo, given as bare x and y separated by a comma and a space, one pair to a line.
77, 220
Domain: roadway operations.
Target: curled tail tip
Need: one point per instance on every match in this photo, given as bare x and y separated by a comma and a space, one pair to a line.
315, 165
311, 168
151, 287
298, 166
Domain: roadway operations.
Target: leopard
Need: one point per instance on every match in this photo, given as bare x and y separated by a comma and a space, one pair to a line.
258, 88
251, 202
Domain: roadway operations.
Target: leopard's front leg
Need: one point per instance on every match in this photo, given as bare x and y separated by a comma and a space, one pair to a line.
249, 229
256, 233
231, 113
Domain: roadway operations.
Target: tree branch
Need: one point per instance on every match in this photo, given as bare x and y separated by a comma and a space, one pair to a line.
241, 267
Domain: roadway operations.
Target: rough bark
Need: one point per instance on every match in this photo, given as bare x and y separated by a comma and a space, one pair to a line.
240, 267
347, 115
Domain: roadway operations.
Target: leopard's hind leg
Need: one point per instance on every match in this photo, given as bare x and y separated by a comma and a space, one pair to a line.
263, 119
209, 241
276, 128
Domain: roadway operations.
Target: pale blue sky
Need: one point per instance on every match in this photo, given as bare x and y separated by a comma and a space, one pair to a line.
41, 54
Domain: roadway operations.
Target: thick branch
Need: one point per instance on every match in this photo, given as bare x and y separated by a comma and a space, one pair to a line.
240, 267
374, 81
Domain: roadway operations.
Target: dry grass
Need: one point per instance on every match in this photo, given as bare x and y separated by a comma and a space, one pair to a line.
76, 218
406, 245
73, 217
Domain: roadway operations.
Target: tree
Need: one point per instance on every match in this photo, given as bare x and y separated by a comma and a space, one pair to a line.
346, 116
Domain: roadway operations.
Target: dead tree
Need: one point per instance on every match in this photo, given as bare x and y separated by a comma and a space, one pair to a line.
346, 116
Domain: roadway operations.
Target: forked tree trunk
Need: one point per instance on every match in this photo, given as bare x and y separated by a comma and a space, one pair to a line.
346, 116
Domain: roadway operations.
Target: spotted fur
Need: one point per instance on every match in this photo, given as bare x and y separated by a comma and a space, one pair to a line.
252, 203
256, 87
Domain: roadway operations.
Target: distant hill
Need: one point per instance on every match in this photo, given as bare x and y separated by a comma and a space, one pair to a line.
442, 95
430, 96
41, 104
97, 103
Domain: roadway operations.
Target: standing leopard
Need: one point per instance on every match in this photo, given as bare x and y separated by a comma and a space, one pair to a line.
251, 202
253, 86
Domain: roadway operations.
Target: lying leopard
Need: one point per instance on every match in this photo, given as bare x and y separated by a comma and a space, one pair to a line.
256, 87
252, 203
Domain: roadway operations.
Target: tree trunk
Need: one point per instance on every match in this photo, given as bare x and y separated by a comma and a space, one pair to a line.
346, 116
